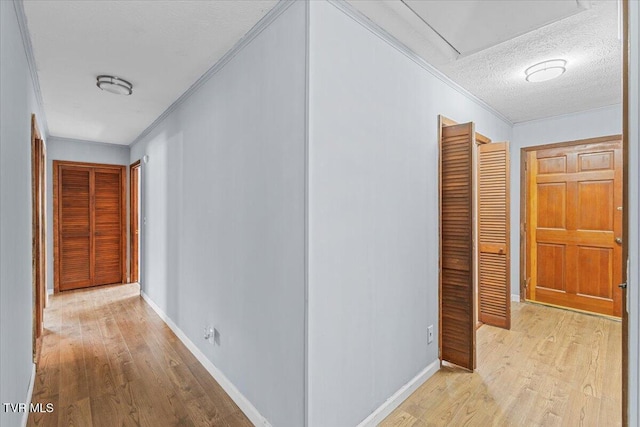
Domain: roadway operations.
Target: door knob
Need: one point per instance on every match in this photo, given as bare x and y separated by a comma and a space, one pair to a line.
619, 240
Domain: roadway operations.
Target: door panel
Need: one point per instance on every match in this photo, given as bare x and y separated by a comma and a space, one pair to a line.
493, 235
574, 214
108, 223
75, 228
89, 242
551, 266
457, 305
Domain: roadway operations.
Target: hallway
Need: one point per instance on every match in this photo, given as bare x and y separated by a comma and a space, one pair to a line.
553, 368
107, 359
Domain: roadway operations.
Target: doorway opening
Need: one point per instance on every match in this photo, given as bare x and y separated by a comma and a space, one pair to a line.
134, 221
474, 286
572, 221
89, 224
39, 239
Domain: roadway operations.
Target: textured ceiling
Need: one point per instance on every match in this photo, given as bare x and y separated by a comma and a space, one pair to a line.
162, 47
471, 25
588, 41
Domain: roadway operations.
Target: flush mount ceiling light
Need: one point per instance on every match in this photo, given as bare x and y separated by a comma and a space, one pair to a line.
114, 85
546, 70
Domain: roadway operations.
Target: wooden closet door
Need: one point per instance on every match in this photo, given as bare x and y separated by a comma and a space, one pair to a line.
493, 235
457, 303
89, 242
75, 231
108, 244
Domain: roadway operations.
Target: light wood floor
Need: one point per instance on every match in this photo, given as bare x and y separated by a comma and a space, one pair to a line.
108, 360
554, 368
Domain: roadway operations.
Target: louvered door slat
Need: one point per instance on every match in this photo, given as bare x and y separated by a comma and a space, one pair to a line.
493, 234
75, 228
89, 225
108, 223
456, 250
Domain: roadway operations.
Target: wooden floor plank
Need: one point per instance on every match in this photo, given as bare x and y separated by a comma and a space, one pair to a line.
107, 360
553, 368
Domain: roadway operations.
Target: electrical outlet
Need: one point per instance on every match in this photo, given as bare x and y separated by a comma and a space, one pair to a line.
430, 334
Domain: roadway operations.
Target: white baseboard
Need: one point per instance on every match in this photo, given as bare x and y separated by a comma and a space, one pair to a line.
49, 291
243, 403
515, 297
32, 381
400, 396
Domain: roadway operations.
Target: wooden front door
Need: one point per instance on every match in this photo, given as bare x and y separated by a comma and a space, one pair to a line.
457, 299
574, 225
89, 225
494, 285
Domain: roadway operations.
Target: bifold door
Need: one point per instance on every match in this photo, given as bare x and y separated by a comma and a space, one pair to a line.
457, 304
494, 294
89, 225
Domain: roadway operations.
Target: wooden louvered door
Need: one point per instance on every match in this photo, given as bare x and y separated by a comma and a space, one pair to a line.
107, 226
493, 235
74, 228
574, 225
457, 302
89, 225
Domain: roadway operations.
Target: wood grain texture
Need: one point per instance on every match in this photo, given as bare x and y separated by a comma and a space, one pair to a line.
573, 216
457, 303
134, 221
553, 368
38, 229
107, 359
626, 49
494, 292
89, 225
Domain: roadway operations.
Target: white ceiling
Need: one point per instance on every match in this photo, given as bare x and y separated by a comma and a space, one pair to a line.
163, 47
471, 26
588, 40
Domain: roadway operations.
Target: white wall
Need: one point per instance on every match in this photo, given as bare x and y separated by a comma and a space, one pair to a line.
570, 127
373, 215
634, 215
76, 151
17, 103
224, 199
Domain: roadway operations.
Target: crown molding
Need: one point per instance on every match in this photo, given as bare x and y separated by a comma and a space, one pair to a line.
260, 26
53, 138
18, 5
377, 30
569, 115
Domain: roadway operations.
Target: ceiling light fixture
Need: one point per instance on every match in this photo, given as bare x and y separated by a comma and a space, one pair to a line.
546, 70
114, 85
